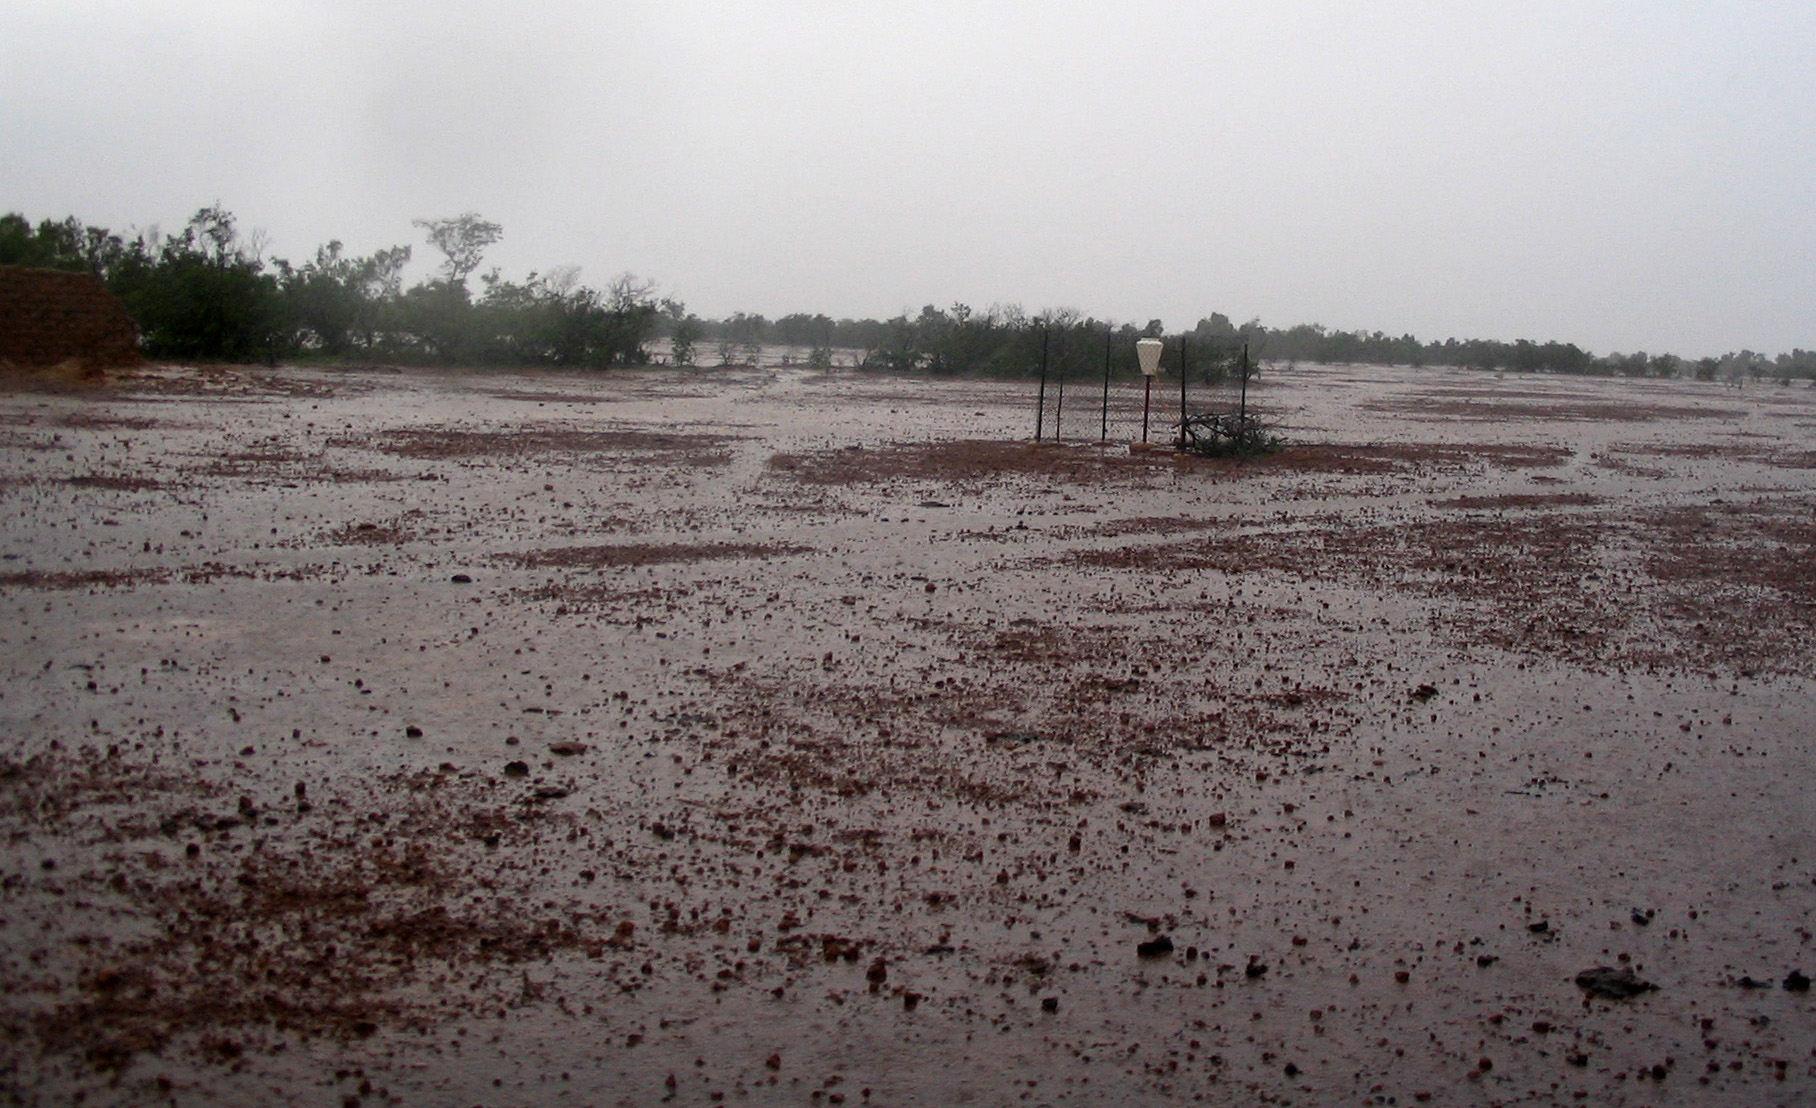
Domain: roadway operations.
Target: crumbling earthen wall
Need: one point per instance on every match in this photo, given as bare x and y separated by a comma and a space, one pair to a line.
48, 317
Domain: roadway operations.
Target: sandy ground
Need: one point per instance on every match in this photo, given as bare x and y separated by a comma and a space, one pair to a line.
782, 738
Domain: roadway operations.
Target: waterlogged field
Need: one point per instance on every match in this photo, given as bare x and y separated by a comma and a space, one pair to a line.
793, 738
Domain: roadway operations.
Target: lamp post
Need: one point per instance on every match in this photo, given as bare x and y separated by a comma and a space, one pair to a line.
1147, 352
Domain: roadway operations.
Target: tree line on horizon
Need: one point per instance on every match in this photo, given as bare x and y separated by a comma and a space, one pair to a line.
208, 293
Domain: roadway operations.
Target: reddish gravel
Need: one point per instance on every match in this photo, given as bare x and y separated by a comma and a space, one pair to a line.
800, 738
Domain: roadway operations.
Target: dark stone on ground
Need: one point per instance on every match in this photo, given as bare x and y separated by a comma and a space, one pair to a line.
1155, 948
1612, 984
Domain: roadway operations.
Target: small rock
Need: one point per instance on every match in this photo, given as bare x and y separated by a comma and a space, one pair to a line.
461, 579
1542, 927
1796, 982
567, 747
1155, 948
1254, 970
1612, 984
1049, 1004
517, 769
550, 792
412, 732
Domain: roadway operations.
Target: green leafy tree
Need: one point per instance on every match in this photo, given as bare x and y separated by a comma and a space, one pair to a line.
463, 240
61, 244
438, 317
684, 339
554, 320
205, 293
435, 322
337, 303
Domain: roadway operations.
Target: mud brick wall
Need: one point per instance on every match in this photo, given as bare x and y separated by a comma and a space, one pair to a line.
48, 317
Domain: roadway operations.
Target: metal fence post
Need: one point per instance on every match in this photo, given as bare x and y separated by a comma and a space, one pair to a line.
1040, 411
1182, 373
1103, 432
1243, 410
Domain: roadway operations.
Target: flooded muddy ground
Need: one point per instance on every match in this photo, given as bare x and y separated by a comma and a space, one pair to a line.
794, 738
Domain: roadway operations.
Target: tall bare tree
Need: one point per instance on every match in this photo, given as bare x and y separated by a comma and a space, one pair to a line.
463, 239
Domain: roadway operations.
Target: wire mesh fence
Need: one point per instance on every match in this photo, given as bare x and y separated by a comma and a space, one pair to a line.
1112, 402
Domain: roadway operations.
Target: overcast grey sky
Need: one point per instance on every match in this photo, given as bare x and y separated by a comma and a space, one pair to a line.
1626, 176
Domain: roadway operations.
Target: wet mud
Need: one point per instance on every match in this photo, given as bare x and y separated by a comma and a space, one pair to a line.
799, 738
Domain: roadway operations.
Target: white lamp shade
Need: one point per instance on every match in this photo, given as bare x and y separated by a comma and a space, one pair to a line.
1148, 352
